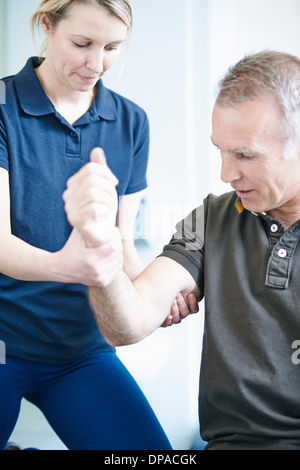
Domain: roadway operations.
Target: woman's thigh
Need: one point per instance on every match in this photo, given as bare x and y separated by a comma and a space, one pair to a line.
96, 404
15, 380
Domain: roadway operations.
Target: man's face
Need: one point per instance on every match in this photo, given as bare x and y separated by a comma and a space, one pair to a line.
251, 142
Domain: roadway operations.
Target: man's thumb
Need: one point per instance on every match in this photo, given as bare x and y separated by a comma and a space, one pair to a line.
98, 156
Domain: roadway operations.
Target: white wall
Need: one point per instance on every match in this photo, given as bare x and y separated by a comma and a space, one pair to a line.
179, 50
239, 27
2, 37
163, 74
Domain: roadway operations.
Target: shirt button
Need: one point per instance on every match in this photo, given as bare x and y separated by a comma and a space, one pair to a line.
282, 253
274, 228
73, 134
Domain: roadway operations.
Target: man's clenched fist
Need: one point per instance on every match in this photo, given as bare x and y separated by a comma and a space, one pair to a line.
91, 200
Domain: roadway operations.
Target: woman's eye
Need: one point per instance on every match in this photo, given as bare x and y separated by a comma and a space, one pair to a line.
80, 45
111, 48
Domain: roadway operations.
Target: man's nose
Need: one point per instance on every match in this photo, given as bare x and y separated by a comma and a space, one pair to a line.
229, 171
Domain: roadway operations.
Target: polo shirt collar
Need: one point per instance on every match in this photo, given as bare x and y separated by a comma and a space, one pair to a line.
35, 102
32, 98
104, 103
240, 208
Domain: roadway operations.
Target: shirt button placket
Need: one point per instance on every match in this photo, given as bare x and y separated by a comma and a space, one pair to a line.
73, 145
282, 253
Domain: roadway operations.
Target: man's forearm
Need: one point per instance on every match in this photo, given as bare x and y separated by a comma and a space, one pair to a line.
118, 311
126, 311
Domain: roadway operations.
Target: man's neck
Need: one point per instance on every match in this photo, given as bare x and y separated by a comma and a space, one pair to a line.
287, 219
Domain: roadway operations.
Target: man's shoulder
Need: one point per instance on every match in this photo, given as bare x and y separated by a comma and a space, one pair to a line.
223, 203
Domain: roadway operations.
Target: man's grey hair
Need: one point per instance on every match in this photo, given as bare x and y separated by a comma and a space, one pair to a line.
267, 74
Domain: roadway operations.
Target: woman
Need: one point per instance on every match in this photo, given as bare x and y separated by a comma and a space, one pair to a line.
57, 111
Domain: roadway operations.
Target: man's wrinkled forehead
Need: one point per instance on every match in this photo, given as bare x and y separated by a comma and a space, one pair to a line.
246, 127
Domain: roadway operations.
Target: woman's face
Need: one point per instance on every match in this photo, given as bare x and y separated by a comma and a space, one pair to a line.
83, 46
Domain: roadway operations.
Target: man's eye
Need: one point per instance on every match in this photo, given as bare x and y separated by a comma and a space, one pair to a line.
244, 156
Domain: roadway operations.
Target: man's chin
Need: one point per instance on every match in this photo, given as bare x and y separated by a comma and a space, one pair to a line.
252, 207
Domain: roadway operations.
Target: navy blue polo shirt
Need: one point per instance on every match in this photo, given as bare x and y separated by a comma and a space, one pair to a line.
52, 322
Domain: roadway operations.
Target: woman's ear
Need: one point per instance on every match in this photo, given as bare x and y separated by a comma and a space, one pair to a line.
46, 23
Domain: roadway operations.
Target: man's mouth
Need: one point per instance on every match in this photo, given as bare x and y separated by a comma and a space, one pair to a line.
244, 194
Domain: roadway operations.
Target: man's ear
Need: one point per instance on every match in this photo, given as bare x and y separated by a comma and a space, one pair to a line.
46, 23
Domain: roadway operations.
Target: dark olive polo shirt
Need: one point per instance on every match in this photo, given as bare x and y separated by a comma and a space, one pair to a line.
248, 270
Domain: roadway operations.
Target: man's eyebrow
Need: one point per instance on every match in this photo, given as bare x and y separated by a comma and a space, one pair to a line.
248, 152
244, 151
241, 151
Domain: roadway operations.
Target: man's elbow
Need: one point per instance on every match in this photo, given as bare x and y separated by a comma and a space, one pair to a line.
116, 340
118, 343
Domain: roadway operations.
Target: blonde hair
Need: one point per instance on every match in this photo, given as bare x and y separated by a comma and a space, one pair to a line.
57, 10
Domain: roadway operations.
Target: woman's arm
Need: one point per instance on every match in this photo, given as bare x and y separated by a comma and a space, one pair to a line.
128, 210
17, 258
75, 263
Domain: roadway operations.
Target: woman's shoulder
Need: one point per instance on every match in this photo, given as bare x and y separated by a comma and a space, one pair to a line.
120, 102
23, 89
29, 66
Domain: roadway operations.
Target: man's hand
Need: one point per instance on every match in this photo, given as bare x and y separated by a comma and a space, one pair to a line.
181, 308
91, 200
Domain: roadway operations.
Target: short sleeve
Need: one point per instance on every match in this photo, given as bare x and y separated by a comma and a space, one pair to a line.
187, 245
138, 177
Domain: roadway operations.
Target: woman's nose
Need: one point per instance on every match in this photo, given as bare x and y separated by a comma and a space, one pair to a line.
95, 62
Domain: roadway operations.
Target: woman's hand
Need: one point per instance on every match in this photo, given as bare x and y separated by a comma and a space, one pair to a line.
93, 267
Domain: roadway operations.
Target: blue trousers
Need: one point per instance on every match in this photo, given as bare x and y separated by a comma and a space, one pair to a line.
92, 404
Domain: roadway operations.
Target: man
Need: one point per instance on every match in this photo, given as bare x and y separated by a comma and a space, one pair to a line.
240, 252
